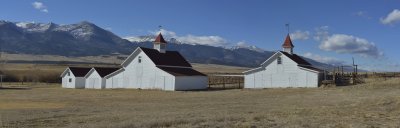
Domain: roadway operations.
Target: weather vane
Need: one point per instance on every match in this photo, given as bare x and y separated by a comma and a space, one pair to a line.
159, 27
287, 27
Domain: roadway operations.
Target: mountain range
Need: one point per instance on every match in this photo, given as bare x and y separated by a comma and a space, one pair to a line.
87, 39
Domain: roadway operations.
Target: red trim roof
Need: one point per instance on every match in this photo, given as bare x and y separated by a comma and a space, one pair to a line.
160, 39
288, 42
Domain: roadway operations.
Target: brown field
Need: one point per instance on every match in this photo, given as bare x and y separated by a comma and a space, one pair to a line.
373, 104
50, 73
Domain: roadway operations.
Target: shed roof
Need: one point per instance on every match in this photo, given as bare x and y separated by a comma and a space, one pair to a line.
169, 58
79, 71
104, 71
181, 71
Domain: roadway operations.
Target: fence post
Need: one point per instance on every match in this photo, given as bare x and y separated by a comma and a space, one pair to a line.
223, 81
209, 83
239, 82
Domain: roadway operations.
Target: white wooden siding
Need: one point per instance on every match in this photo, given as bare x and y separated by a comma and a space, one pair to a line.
284, 75
94, 81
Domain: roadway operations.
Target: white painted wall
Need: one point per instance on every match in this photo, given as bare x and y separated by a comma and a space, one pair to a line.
284, 75
65, 80
191, 82
94, 81
140, 75
115, 81
80, 82
75, 81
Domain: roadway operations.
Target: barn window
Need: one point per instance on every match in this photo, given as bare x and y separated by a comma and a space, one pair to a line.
70, 80
68, 73
279, 60
162, 46
140, 59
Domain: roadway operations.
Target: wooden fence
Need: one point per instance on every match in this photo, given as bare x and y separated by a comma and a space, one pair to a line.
225, 81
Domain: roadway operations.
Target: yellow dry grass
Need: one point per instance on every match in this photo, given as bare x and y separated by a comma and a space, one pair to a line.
373, 104
19, 105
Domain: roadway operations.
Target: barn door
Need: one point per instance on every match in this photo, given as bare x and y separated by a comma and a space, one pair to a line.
96, 83
139, 75
293, 80
91, 82
114, 83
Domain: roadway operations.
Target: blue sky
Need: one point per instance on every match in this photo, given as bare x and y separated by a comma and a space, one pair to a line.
328, 31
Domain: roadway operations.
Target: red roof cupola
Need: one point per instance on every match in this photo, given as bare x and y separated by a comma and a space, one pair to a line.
288, 42
160, 44
160, 39
288, 45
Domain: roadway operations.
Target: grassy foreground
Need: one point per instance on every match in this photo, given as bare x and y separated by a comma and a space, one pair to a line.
374, 104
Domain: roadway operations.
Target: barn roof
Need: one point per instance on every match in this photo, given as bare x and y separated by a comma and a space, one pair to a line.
160, 39
181, 71
311, 68
104, 71
79, 71
169, 58
288, 42
296, 58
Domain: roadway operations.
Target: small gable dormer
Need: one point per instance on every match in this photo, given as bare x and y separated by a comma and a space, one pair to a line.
160, 44
288, 45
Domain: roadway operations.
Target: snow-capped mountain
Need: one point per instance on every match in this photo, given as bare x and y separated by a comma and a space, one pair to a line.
150, 38
139, 39
80, 39
35, 27
87, 39
253, 48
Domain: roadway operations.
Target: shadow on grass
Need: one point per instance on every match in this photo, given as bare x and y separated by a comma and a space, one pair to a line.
210, 89
15, 88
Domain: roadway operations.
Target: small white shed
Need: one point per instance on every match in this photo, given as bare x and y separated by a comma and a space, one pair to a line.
74, 77
95, 77
282, 70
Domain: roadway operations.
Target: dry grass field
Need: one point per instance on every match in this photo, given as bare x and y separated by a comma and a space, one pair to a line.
51, 72
373, 104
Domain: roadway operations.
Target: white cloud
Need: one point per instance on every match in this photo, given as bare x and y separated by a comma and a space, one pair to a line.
300, 35
321, 33
391, 18
362, 14
40, 6
194, 39
342, 43
324, 59
242, 44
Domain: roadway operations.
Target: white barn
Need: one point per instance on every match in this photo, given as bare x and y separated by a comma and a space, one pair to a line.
94, 79
74, 77
156, 69
282, 70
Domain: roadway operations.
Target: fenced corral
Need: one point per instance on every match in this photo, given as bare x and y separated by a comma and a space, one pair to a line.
383, 75
351, 78
220, 81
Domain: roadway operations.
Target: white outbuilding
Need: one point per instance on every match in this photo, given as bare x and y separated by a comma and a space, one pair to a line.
156, 68
74, 77
95, 77
282, 70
